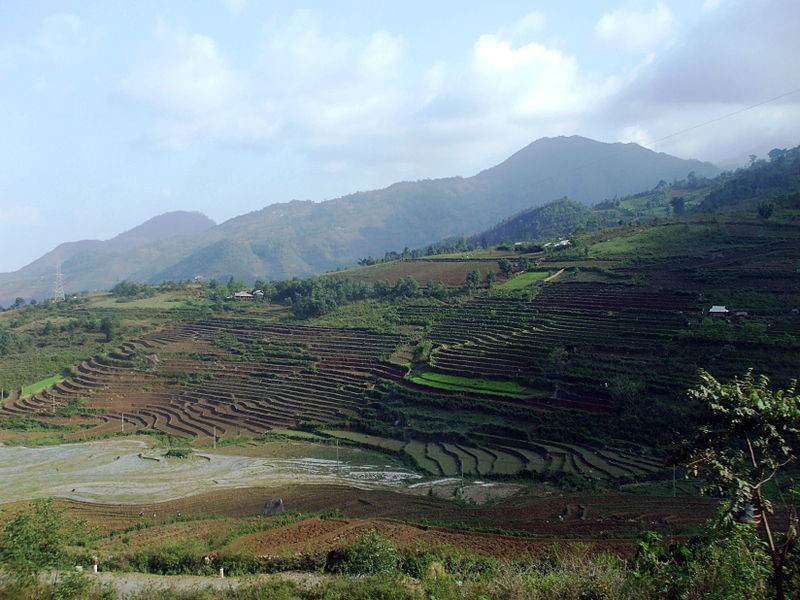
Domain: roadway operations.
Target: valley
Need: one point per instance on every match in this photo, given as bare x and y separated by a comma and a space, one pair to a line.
499, 401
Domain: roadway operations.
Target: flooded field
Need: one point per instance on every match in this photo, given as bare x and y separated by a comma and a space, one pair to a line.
132, 471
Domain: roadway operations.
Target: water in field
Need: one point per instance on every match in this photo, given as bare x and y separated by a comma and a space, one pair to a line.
130, 471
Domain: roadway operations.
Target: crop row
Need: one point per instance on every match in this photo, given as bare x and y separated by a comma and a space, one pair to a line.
498, 456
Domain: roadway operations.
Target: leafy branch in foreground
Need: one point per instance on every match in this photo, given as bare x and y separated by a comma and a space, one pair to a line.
749, 433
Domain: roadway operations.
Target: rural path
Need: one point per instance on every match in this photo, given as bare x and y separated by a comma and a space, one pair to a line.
126, 584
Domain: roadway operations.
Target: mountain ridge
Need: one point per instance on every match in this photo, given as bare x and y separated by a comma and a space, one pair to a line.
301, 238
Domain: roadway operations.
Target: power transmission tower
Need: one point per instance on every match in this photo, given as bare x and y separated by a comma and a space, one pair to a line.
58, 286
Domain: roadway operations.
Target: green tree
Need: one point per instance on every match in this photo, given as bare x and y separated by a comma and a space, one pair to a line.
6, 341
765, 209
749, 433
473, 279
35, 540
108, 327
506, 267
407, 287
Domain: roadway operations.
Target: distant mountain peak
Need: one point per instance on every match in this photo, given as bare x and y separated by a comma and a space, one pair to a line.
302, 238
169, 224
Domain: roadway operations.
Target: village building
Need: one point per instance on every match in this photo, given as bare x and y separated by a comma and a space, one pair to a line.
718, 311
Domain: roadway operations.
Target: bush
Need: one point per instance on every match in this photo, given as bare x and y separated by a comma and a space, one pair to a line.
727, 563
179, 453
33, 542
369, 554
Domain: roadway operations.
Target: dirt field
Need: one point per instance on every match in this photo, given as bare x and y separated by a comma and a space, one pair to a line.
132, 471
118, 484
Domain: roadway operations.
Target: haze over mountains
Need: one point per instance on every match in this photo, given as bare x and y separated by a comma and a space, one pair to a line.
301, 238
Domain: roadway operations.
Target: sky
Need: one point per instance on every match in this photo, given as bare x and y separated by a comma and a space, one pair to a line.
113, 112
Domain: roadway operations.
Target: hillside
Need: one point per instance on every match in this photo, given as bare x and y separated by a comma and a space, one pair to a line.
548, 361
480, 411
96, 264
303, 238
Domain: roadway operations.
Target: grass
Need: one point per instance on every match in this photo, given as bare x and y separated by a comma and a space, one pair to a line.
162, 301
524, 280
40, 385
471, 384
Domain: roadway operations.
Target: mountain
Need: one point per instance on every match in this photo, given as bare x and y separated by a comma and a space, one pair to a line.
303, 238
36, 279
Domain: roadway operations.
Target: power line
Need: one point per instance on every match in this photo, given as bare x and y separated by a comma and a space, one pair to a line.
726, 116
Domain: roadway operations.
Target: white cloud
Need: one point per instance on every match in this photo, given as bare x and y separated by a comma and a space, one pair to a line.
382, 56
637, 135
182, 73
711, 65
636, 31
315, 89
529, 79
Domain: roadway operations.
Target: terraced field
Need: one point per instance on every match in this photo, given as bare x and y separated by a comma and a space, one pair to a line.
224, 378
598, 360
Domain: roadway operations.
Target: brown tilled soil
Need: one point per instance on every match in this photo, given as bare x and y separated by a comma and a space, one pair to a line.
607, 520
324, 535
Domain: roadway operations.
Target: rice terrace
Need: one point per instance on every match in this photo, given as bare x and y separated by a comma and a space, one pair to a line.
473, 407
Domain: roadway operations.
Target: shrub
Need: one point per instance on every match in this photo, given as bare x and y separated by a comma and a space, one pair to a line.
724, 563
179, 452
32, 542
369, 554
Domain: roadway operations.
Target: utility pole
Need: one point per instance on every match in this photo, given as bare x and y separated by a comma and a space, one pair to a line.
122, 421
674, 483
215, 437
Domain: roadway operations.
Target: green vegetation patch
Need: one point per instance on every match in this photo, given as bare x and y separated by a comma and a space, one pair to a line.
524, 280
471, 384
40, 385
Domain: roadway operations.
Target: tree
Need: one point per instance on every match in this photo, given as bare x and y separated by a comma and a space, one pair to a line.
406, 287
33, 541
765, 209
108, 327
678, 205
6, 341
473, 279
749, 434
506, 267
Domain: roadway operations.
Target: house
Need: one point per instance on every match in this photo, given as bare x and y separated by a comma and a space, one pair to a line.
718, 311
243, 296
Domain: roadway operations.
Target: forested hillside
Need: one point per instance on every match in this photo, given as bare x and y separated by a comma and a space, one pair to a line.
298, 239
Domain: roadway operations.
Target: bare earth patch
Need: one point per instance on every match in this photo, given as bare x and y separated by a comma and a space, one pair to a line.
132, 471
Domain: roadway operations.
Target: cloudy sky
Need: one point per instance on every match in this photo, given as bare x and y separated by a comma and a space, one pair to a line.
113, 112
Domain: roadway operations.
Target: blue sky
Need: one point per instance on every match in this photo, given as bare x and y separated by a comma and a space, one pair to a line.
114, 112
